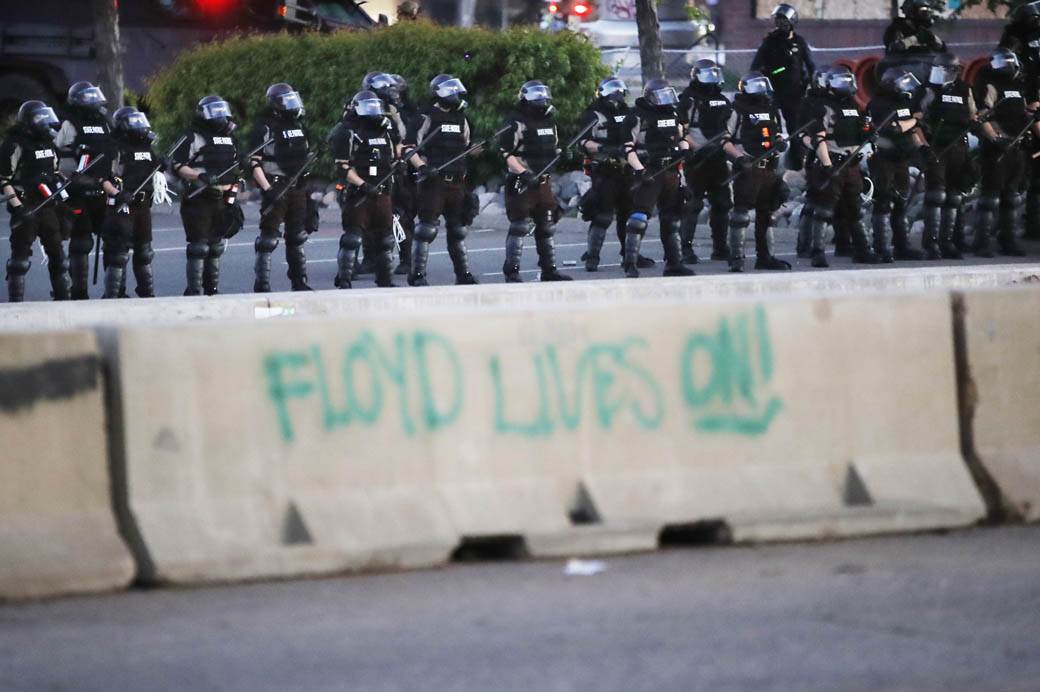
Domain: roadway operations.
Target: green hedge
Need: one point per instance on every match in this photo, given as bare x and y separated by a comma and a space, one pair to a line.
327, 69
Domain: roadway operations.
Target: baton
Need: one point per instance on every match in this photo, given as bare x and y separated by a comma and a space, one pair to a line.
767, 154
311, 158
1018, 138
393, 168
569, 145
54, 195
236, 164
469, 151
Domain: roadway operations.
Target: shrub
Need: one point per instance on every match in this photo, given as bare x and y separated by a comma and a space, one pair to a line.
327, 69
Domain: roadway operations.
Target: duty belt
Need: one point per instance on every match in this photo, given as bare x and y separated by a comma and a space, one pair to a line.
453, 177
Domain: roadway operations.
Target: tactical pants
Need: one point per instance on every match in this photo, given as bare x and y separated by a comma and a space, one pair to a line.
1002, 200
406, 205
90, 213
291, 210
124, 231
665, 193
367, 222
205, 227
891, 176
444, 195
45, 225
837, 200
534, 206
704, 179
756, 188
946, 178
607, 202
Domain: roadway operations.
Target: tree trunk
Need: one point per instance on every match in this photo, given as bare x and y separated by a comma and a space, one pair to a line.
109, 52
651, 57
467, 12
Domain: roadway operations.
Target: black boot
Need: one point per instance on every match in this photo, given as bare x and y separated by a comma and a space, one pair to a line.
264, 248
385, 268
145, 287
863, 252
985, 224
947, 225
16, 271
817, 246
1032, 220
672, 242
933, 202
687, 230
404, 254
882, 224
115, 273
764, 257
420, 254
901, 239
296, 258
194, 276
514, 251
546, 247
1010, 216
597, 234
460, 257
718, 220
739, 220
211, 276
803, 245
79, 271
346, 258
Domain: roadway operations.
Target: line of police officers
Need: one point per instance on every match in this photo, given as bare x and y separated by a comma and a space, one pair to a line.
669, 152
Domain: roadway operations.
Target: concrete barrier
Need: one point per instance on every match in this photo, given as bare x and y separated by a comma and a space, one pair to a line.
534, 295
57, 529
998, 339
260, 450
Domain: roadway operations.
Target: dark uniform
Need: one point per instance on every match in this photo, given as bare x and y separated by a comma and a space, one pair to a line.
280, 161
785, 58
442, 187
755, 127
706, 112
890, 165
130, 213
912, 33
363, 142
213, 215
1002, 87
949, 110
813, 109
29, 165
1022, 36
609, 200
836, 198
85, 132
531, 138
656, 136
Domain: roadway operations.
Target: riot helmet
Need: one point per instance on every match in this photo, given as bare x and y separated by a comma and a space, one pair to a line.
38, 118
819, 77
920, 12
448, 91
841, 81
612, 89
707, 72
898, 81
285, 101
946, 69
132, 124
402, 85
755, 84
87, 96
536, 96
1027, 15
367, 104
785, 16
383, 86
659, 92
215, 113
1005, 63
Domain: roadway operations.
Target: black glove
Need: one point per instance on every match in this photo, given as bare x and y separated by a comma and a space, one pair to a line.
124, 197
780, 145
205, 179
527, 179
1001, 141
743, 162
163, 164
426, 173
267, 196
898, 46
370, 190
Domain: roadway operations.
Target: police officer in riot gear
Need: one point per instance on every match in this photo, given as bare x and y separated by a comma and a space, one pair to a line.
912, 33
29, 171
609, 200
1022, 36
836, 196
948, 107
130, 211
442, 183
364, 147
212, 215
706, 111
897, 143
85, 134
1001, 88
529, 145
785, 58
281, 122
813, 108
755, 145
656, 142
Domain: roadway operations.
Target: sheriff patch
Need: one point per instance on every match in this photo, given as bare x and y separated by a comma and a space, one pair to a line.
93, 130
619, 118
142, 156
378, 141
1012, 95
227, 141
903, 113
44, 154
718, 104
451, 129
850, 112
760, 116
670, 122
952, 99
291, 134
546, 132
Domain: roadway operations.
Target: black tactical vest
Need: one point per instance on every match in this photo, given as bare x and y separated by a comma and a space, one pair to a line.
37, 163
849, 126
949, 113
539, 140
136, 161
758, 125
93, 134
1010, 111
447, 138
660, 131
217, 154
710, 113
372, 147
891, 140
288, 152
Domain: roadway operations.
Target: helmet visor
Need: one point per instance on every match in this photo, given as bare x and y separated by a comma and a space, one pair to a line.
708, 75
663, 97
451, 87
216, 110
611, 87
785, 11
369, 107
907, 83
944, 74
536, 94
91, 97
842, 83
290, 101
381, 81
1004, 61
137, 121
758, 85
45, 118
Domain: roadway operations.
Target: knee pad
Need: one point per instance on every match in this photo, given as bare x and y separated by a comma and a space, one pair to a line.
457, 232
386, 242
143, 253
217, 249
520, 229
720, 199
426, 232
18, 266
296, 238
989, 203
603, 220
544, 229
637, 223
935, 198
265, 243
824, 214
81, 245
198, 250
350, 240
740, 217
954, 200
117, 257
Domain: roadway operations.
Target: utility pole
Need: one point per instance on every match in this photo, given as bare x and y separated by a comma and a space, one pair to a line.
651, 56
108, 50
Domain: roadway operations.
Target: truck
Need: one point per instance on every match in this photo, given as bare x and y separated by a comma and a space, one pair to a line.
49, 44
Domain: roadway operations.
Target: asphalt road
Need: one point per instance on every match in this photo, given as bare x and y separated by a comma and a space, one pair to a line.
486, 242
929, 612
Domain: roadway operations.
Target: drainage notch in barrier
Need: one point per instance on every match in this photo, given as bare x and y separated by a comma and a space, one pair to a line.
704, 532
583, 511
499, 548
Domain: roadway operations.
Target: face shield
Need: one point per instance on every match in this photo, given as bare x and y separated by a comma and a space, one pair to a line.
613, 90
216, 111
1005, 63
758, 86
941, 75
538, 95
291, 103
906, 84
369, 108
708, 75
451, 88
663, 97
91, 97
137, 122
842, 83
44, 120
